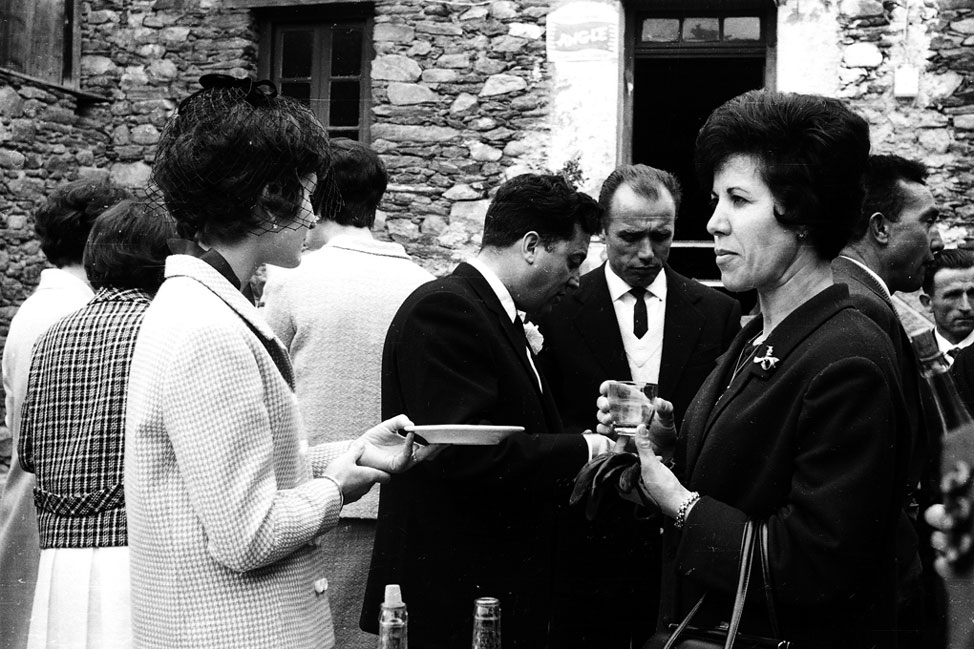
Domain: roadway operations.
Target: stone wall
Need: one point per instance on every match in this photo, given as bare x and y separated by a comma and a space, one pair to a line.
909, 69
460, 97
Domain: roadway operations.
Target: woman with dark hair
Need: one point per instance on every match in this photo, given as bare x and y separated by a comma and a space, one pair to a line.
801, 425
226, 501
72, 432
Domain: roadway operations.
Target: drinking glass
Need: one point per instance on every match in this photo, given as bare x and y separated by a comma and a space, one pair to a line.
631, 403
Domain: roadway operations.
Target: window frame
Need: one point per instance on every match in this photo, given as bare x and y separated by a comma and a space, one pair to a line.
322, 21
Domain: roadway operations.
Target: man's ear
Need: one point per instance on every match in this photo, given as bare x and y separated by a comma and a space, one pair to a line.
530, 243
879, 228
925, 301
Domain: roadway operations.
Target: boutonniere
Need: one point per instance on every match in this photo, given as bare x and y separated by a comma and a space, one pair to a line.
767, 361
535, 339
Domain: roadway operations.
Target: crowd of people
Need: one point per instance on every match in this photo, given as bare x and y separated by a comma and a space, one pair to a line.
187, 471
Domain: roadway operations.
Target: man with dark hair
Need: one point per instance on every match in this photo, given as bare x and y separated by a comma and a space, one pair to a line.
634, 318
332, 313
893, 243
62, 225
479, 520
948, 294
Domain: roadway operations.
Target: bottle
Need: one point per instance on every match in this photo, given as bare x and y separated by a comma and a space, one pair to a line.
392, 620
486, 623
956, 460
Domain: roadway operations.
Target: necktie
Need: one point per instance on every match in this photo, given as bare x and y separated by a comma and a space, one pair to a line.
640, 321
519, 331
952, 352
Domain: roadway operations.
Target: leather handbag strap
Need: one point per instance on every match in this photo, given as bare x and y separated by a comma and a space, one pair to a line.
743, 579
766, 574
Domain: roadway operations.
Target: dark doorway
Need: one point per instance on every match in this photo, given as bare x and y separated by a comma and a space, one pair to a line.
672, 98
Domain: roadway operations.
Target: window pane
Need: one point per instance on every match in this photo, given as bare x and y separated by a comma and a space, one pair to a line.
296, 54
344, 103
350, 134
346, 52
742, 29
701, 29
661, 30
297, 90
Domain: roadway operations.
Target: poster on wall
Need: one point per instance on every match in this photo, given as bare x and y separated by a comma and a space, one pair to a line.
583, 31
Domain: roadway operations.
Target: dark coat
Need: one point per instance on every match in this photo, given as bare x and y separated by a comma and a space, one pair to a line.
808, 444
583, 347
475, 521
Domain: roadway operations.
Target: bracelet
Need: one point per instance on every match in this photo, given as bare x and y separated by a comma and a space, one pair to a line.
341, 496
681, 513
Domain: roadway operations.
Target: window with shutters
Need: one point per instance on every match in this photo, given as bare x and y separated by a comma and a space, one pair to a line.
41, 39
322, 58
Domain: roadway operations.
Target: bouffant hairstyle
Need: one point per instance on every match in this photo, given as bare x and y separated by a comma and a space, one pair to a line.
361, 177
883, 192
644, 180
811, 152
231, 160
65, 218
127, 248
545, 204
948, 259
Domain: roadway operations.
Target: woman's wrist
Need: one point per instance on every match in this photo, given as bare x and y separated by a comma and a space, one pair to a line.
684, 509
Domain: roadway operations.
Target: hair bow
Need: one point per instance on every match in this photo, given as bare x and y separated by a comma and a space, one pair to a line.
254, 92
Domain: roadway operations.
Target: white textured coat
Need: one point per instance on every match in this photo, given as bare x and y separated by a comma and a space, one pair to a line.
332, 313
222, 502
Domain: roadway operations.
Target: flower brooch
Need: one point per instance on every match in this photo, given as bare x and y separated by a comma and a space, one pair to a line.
767, 361
535, 339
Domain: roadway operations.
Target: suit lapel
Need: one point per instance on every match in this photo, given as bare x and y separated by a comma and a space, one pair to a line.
596, 323
775, 351
682, 324
483, 290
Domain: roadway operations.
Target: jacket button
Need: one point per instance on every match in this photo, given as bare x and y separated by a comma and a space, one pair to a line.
321, 586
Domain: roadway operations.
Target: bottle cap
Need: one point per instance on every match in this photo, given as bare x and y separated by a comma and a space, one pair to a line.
487, 608
925, 344
393, 596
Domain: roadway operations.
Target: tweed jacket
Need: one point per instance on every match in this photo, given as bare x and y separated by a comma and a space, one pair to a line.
805, 437
476, 520
222, 502
332, 313
73, 421
58, 294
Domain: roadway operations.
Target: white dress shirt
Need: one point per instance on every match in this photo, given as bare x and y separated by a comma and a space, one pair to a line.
644, 354
945, 345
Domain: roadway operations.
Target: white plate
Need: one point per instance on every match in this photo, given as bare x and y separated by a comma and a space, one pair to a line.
464, 434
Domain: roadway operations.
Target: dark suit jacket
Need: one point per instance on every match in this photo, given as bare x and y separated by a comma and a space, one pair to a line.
583, 346
808, 444
963, 372
475, 521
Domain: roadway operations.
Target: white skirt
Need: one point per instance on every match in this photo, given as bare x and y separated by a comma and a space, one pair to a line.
82, 600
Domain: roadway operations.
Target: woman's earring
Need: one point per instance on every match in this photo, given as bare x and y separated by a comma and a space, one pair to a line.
802, 234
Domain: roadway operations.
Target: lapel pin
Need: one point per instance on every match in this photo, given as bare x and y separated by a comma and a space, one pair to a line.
767, 362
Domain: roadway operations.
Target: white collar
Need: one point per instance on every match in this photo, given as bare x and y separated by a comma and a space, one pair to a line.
872, 273
61, 279
496, 285
947, 345
619, 287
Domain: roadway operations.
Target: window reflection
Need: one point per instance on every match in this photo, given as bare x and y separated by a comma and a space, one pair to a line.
746, 28
661, 30
701, 29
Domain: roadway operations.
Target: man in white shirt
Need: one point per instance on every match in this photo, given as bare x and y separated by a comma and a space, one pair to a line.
632, 318
62, 225
948, 294
332, 313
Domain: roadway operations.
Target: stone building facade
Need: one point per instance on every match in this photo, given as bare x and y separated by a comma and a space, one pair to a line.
458, 95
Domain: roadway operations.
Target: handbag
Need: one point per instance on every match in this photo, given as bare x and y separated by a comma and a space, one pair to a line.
727, 636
